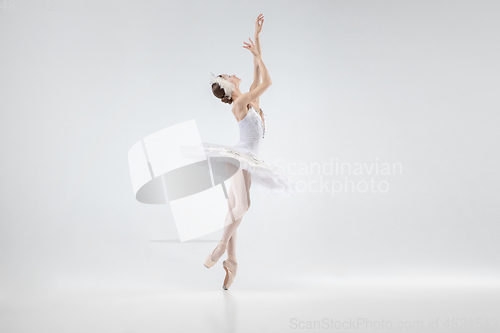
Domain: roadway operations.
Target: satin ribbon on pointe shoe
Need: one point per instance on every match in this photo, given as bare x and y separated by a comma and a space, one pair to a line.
230, 266
208, 262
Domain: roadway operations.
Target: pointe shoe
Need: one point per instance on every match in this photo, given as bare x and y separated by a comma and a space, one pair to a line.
230, 273
208, 262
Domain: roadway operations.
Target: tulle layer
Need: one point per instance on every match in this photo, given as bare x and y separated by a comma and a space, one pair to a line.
267, 178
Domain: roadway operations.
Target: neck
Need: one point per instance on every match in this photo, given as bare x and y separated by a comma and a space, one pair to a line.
236, 93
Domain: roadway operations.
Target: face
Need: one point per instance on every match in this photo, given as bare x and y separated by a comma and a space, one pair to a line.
232, 78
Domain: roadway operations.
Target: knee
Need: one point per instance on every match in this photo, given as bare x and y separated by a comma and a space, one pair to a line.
244, 206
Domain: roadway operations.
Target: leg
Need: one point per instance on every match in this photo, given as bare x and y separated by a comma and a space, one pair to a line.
231, 247
238, 205
231, 244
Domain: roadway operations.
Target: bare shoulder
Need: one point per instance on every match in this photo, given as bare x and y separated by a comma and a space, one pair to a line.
256, 105
239, 111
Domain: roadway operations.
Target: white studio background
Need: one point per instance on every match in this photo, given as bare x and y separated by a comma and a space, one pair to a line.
408, 83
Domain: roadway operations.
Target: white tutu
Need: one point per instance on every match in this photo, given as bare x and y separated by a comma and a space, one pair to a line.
266, 177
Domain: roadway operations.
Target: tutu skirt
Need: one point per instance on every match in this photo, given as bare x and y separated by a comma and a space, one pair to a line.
267, 178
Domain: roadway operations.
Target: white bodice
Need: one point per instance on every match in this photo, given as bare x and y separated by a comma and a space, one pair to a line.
252, 131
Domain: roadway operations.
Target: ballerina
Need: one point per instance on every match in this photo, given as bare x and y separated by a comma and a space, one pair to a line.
251, 122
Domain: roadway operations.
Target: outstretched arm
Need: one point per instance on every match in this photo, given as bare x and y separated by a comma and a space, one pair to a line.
249, 97
256, 67
244, 99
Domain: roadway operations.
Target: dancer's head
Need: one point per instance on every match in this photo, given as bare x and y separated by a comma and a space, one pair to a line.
224, 85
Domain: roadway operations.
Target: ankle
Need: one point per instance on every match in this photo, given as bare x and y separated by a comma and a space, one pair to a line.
222, 246
219, 251
232, 258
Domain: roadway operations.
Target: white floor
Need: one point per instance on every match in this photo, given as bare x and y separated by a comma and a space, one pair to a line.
349, 307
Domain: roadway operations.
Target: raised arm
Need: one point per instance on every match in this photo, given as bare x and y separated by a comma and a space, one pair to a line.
250, 96
256, 69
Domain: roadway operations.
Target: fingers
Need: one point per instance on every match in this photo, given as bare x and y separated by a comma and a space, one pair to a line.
249, 46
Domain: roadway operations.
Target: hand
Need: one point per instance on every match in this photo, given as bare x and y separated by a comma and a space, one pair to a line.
258, 24
251, 47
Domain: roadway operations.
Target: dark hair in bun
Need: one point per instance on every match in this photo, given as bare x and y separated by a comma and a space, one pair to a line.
220, 93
